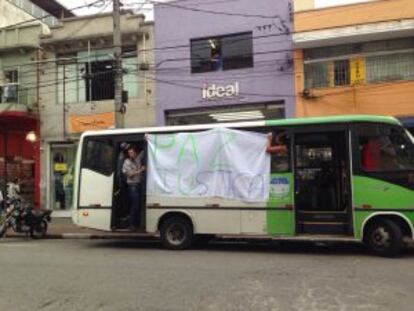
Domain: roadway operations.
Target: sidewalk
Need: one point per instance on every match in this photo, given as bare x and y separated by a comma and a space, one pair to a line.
63, 228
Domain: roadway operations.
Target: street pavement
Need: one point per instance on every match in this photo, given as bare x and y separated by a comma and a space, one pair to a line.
131, 275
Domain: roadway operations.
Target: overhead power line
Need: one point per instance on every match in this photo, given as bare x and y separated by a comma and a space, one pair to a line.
132, 68
188, 85
50, 15
135, 52
207, 11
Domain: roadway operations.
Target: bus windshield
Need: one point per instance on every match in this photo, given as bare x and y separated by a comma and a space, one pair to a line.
410, 136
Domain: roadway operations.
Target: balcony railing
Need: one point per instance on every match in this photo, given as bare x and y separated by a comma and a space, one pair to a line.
14, 98
35, 11
397, 66
9, 93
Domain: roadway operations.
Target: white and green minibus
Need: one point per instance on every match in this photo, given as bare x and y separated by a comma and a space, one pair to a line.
340, 178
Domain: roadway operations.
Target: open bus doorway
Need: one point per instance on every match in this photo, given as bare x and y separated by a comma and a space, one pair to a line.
322, 183
128, 209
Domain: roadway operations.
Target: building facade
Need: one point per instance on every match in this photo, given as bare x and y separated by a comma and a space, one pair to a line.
355, 59
21, 24
56, 81
77, 92
15, 12
217, 62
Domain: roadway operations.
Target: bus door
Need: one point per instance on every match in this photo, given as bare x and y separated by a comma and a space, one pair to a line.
322, 182
121, 204
96, 183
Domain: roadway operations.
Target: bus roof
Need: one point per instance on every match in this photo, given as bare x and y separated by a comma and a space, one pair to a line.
277, 122
335, 119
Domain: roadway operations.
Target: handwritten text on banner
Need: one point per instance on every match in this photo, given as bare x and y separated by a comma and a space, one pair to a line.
221, 162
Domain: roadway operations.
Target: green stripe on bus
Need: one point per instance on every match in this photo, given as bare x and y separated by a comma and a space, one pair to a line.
333, 119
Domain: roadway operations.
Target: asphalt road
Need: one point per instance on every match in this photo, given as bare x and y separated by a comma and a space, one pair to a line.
125, 275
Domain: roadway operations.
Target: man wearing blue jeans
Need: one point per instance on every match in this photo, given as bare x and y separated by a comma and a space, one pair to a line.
132, 169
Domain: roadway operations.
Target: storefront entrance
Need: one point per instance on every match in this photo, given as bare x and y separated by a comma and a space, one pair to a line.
62, 160
19, 155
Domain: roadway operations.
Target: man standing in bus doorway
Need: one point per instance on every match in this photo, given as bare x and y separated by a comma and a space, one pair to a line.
132, 169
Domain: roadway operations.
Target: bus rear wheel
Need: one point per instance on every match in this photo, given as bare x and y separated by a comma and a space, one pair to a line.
176, 233
384, 238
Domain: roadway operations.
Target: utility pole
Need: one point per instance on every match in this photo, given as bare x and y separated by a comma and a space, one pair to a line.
64, 99
117, 41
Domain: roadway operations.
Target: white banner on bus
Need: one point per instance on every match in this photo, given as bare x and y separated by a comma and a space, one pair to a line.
220, 162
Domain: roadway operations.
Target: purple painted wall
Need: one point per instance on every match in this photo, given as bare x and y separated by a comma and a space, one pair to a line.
271, 78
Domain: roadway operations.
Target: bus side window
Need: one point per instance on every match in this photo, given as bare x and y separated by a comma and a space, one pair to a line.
384, 149
98, 156
278, 148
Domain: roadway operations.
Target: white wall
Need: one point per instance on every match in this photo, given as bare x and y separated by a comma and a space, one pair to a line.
326, 3
10, 14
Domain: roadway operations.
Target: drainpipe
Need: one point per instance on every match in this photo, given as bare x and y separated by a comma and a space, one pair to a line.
89, 75
37, 155
144, 60
38, 69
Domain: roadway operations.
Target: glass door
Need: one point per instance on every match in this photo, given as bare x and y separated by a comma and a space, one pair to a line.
62, 160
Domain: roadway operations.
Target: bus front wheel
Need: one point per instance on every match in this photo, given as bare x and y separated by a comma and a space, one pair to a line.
176, 233
384, 237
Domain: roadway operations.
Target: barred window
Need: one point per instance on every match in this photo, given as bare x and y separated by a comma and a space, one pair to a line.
326, 74
390, 67
341, 72
67, 82
75, 84
316, 75
100, 80
9, 86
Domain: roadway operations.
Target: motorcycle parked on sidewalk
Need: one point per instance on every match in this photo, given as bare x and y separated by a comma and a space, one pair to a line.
23, 218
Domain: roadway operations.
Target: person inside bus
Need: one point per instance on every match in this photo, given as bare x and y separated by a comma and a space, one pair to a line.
121, 193
280, 147
123, 154
324, 194
279, 150
133, 168
378, 154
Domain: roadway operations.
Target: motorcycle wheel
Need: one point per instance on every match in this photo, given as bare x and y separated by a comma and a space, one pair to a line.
39, 230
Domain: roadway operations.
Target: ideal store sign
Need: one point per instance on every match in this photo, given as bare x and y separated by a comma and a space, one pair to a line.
215, 91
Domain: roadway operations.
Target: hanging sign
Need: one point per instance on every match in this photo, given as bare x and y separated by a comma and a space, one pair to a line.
357, 71
82, 123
